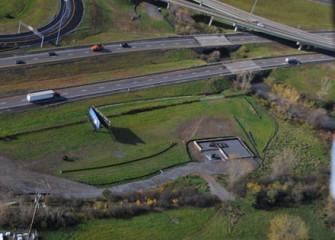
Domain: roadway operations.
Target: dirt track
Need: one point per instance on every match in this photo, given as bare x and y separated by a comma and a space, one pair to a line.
30, 182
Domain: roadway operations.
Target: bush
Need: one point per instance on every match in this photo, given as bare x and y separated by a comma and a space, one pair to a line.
219, 84
287, 227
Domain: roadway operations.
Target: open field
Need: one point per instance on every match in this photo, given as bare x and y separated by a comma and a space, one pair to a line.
132, 136
307, 79
97, 69
191, 223
36, 13
306, 14
112, 20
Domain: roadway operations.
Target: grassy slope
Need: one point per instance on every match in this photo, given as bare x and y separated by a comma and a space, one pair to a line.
190, 223
95, 69
307, 79
305, 14
111, 20
30, 12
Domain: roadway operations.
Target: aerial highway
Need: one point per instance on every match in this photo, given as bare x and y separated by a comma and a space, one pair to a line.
242, 19
171, 77
69, 17
196, 41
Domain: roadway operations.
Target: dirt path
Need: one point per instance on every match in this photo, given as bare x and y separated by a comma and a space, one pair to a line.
30, 182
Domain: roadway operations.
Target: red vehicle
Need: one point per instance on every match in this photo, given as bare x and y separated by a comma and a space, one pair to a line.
97, 47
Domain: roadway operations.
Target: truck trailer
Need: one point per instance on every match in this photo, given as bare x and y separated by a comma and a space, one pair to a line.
44, 95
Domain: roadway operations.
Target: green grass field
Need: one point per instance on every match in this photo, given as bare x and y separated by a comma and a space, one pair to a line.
191, 223
307, 78
29, 11
305, 14
131, 137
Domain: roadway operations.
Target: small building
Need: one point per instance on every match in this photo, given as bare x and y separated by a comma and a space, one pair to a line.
223, 148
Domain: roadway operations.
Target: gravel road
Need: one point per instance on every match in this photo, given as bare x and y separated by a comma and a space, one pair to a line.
20, 180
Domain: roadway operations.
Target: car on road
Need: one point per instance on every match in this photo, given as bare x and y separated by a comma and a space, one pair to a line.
20, 61
52, 54
97, 47
260, 25
125, 45
292, 60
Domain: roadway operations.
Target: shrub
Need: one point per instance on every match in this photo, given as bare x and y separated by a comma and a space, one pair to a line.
287, 227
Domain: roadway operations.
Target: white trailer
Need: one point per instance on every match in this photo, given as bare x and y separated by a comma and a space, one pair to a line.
44, 95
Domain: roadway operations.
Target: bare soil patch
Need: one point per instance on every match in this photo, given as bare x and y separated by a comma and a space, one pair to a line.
205, 127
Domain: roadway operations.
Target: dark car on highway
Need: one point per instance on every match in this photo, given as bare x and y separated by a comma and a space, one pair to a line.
20, 62
52, 54
125, 45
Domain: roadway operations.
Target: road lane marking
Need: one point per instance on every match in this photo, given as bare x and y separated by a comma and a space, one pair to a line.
162, 44
135, 82
83, 90
3, 103
65, 93
36, 58
70, 54
177, 43
86, 52
119, 84
150, 79
149, 45
180, 75
23, 100
193, 73
101, 87
166, 77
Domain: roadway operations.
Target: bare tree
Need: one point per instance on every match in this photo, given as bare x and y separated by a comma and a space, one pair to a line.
244, 79
284, 163
326, 84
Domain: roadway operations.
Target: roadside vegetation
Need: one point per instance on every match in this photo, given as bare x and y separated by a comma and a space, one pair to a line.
309, 80
296, 13
115, 20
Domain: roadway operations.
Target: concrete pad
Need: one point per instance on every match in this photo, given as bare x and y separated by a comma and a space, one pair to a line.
246, 66
212, 41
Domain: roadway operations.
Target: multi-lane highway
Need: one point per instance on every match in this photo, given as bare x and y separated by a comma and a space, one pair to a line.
172, 77
246, 20
196, 41
69, 17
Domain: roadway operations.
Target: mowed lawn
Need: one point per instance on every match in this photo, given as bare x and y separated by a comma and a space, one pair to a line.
36, 13
296, 13
191, 223
132, 137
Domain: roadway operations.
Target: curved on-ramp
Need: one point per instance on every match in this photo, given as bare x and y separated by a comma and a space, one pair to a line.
69, 17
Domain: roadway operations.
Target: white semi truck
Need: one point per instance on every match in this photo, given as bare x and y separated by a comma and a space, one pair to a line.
44, 95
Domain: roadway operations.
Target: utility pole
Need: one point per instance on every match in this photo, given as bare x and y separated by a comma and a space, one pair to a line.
253, 7
60, 23
37, 205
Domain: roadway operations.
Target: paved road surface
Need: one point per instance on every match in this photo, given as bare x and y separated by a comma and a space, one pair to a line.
196, 41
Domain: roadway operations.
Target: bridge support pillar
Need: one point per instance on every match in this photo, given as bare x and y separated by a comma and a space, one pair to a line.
236, 29
201, 4
168, 6
300, 47
210, 21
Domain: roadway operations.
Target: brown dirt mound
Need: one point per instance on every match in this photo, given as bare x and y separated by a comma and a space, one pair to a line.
205, 127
